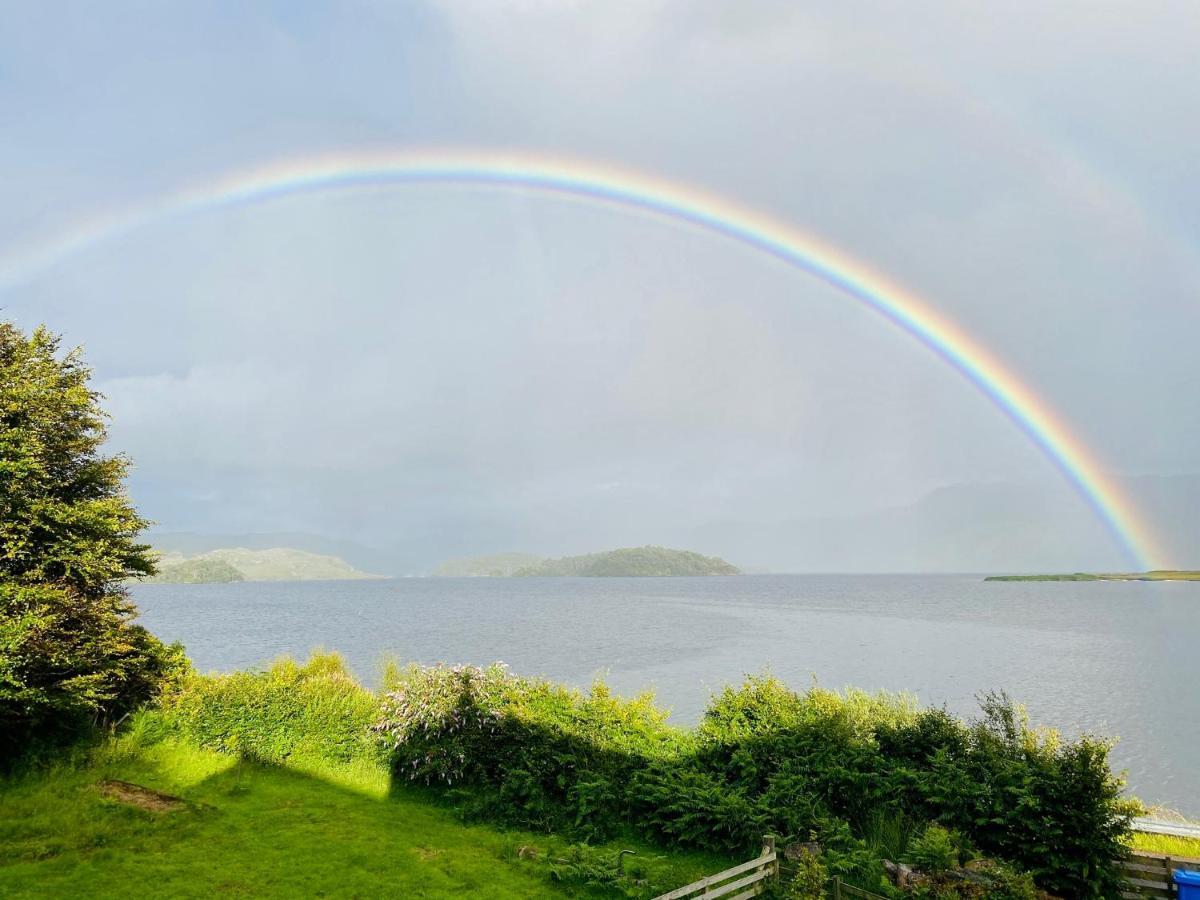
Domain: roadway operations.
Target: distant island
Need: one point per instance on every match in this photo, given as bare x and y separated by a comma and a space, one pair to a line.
1156, 575
635, 562
498, 565
239, 564
631, 561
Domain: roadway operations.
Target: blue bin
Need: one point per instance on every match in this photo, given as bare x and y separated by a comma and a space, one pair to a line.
1188, 884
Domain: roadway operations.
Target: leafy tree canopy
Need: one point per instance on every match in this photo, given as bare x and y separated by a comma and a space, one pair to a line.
69, 651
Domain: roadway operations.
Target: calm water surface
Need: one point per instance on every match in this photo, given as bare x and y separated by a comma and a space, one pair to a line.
1113, 658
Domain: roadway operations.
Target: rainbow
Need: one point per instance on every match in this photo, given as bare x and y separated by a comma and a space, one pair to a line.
628, 190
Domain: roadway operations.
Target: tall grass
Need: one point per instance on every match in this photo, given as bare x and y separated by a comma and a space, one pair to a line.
315, 711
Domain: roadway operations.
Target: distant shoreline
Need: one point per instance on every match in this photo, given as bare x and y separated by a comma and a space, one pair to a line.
1156, 575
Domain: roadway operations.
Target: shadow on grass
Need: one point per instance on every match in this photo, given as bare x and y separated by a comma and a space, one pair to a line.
255, 828
248, 829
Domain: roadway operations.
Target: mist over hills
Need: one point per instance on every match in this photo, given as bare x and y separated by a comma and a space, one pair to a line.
998, 527
229, 564
190, 544
965, 528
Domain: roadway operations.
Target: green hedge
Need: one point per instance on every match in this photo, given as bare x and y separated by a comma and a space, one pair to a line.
764, 758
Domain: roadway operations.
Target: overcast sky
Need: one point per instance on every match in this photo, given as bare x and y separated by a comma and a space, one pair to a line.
476, 370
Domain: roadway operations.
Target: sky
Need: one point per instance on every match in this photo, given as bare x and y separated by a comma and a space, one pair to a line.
445, 370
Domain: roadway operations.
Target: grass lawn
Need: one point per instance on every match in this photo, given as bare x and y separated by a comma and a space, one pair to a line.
249, 830
1166, 843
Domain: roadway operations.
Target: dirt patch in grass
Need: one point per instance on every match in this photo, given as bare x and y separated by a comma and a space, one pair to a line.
135, 795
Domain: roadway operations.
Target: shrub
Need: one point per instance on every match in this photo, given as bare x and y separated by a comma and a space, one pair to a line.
842, 767
807, 881
697, 809
437, 723
1052, 807
934, 851
538, 754
592, 868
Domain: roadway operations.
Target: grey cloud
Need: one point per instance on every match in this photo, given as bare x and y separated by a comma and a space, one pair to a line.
440, 370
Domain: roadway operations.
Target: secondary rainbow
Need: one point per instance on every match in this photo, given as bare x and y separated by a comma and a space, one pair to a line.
679, 203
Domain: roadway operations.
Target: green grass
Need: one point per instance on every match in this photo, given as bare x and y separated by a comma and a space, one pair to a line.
1166, 843
306, 830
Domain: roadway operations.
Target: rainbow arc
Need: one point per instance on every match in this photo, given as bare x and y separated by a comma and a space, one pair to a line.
589, 182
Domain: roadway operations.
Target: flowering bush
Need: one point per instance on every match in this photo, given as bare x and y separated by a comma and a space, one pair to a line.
437, 721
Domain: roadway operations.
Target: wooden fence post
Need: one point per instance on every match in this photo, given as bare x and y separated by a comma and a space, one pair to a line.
769, 847
837, 887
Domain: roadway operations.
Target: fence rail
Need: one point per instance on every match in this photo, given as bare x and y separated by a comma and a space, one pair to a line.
841, 891
1150, 874
1147, 875
749, 879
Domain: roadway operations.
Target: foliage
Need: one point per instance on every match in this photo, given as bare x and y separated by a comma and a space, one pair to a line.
543, 755
631, 561
1024, 795
863, 773
889, 834
867, 776
196, 571
807, 880
695, 808
69, 651
613, 871
986, 880
437, 722
315, 710
935, 851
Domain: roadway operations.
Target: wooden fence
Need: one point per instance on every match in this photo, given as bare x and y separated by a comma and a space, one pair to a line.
749, 879
1147, 875
1150, 874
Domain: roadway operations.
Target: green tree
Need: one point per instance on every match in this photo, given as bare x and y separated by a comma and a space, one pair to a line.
69, 651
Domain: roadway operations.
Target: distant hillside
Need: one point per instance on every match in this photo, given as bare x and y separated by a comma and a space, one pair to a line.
632, 561
495, 566
365, 557
240, 564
